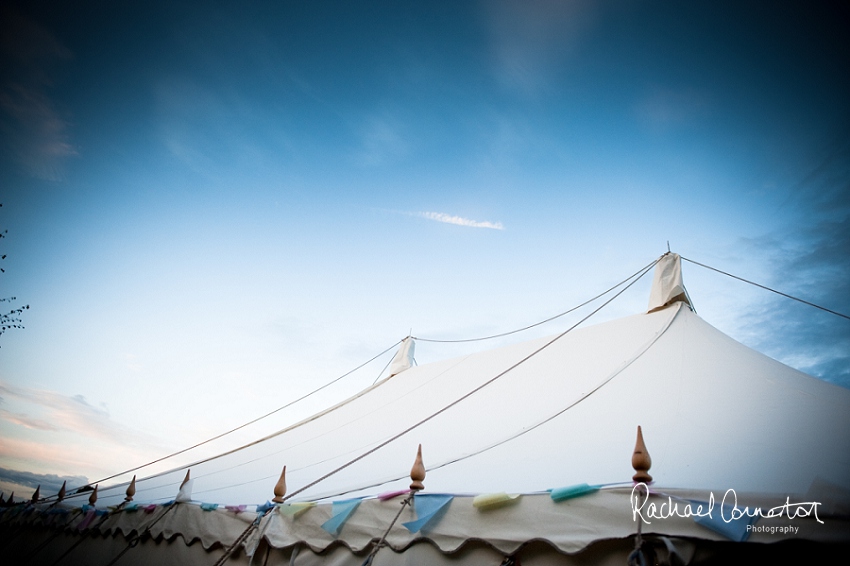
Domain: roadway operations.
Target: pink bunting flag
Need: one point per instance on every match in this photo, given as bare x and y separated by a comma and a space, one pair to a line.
391, 494
84, 524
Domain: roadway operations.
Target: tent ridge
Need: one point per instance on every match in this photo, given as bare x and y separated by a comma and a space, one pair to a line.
622, 367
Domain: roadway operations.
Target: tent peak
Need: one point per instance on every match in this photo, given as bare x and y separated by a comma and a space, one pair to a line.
667, 285
403, 358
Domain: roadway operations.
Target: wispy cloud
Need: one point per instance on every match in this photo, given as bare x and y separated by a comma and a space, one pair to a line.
459, 220
24, 420
35, 133
53, 411
72, 454
664, 108
47, 431
380, 141
531, 39
50, 483
809, 258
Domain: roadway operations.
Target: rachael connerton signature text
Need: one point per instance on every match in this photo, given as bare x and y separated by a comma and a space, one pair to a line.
646, 510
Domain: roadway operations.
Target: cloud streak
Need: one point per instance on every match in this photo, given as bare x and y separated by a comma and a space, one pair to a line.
664, 108
531, 40
46, 431
459, 220
33, 131
810, 261
381, 142
53, 411
50, 483
24, 420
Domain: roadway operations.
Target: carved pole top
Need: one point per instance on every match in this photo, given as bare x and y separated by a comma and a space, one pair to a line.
280, 487
641, 461
131, 490
93, 496
417, 473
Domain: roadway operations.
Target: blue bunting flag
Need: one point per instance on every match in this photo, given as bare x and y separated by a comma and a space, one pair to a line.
341, 511
429, 507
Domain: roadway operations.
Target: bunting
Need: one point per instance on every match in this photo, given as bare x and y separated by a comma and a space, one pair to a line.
571, 491
391, 494
341, 511
90, 514
736, 530
429, 508
487, 501
295, 510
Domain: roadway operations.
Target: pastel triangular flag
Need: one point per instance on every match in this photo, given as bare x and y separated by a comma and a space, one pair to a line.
428, 507
487, 501
735, 529
87, 520
341, 511
295, 510
564, 493
391, 494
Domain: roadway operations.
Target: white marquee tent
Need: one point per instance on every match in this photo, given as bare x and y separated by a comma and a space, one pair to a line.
510, 423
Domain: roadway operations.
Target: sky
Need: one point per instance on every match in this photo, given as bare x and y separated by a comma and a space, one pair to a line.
213, 209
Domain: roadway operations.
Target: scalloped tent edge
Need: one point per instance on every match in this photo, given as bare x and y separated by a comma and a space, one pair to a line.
715, 414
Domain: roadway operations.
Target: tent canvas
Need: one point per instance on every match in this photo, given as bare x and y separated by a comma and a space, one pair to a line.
526, 418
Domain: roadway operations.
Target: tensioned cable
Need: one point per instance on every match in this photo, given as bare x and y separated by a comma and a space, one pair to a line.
83, 538
470, 393
136, 538
395, 437
551, 318
634, 277
640, 352
260, 440
768, 289
638, 274
223, 434
382, 371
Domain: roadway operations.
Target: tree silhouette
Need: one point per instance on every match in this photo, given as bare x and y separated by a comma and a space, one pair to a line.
11, 319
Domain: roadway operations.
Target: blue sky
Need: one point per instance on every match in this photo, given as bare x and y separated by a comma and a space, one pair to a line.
212, 209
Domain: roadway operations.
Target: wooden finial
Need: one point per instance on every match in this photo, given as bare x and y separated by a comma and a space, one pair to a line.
186, 479
11, 500
641, 461
2, 501
37, 495
417, 472
131, 490
61, 495
280, 487
93, 496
